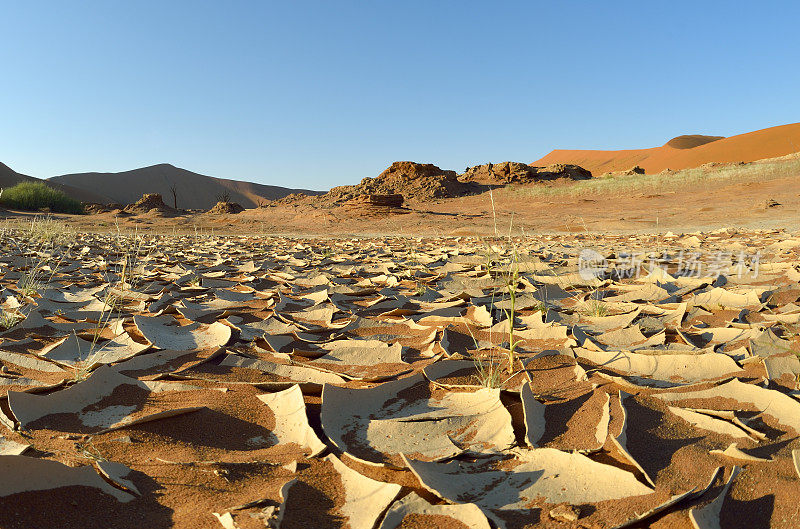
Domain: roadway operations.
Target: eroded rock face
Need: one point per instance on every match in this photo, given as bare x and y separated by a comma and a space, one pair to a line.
389, 201
374, 205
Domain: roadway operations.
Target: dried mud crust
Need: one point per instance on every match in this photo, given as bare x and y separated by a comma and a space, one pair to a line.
304, 309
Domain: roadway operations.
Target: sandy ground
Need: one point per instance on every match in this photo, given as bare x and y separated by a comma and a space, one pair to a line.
738, 205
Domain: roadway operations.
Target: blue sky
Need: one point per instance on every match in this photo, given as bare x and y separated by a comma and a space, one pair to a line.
318, 94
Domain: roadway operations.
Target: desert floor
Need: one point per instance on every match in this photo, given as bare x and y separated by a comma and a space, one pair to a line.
704, 206
514, 359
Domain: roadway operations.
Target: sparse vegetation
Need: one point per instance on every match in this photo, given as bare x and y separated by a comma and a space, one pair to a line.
29, 284
490, 374
511, 280
128, 277
540, 306
87, 450
704, 178
225, 197
9, 318
48, 231
595, 308
45, 236
38, 196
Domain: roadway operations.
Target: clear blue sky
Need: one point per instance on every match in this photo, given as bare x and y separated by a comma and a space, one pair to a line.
317, 94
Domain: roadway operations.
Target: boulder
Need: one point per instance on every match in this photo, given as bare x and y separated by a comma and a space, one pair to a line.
634, 170
563, 170
374, 205
387, 201
92, 208
767, 203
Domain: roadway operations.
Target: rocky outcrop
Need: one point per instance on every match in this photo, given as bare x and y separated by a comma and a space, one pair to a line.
386, 201
520, 173
499, 173
375, 205
634, 170
412, 180
422, 182
226, 208
92, 208
409, 171
562, 170
150, 202
767, 203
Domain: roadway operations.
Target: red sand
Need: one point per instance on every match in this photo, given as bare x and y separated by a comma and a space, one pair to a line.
765, 143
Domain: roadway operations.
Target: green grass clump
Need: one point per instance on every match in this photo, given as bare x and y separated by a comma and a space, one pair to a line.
596, 309
36, 196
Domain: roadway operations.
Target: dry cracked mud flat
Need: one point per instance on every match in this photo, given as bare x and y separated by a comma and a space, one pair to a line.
180, 381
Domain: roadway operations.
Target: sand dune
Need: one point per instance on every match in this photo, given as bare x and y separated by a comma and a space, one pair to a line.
690, 141
195, 191
10, 178
686, 151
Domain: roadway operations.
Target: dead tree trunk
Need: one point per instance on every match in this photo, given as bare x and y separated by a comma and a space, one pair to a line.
174, 190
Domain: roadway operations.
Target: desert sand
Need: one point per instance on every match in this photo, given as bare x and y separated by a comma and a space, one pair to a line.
765, 143
521, 346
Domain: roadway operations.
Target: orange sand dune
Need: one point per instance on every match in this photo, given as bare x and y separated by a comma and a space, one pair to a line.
686, 151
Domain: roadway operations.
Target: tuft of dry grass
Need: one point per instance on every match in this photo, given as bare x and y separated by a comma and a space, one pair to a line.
9, 318
595, 308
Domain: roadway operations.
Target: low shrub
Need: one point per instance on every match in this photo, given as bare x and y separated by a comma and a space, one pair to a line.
36, 196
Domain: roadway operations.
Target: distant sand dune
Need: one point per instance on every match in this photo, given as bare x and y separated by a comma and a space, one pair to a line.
10, 178
195, 191
685, 152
